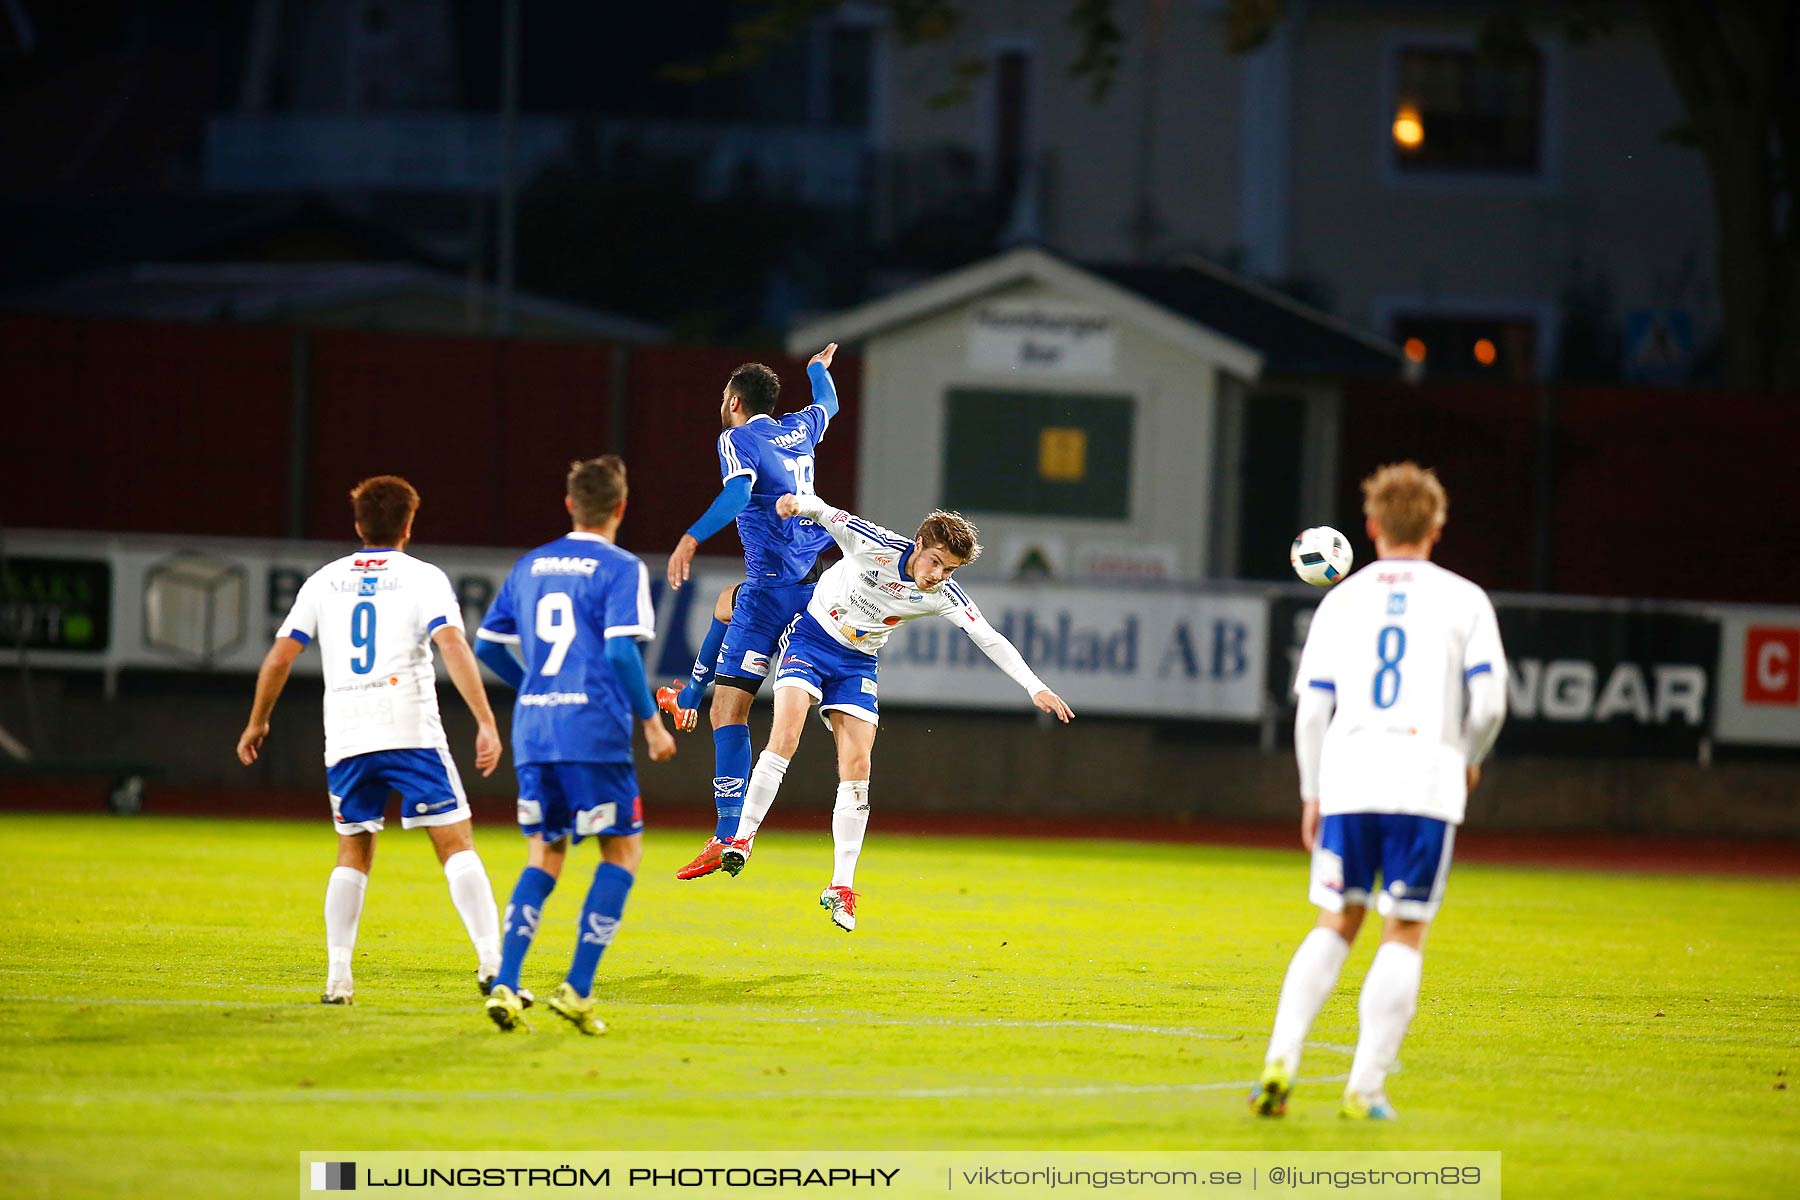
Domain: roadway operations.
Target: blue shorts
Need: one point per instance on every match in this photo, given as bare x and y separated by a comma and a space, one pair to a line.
759, 619
1412, 854
431, 792
839, 678
579, 799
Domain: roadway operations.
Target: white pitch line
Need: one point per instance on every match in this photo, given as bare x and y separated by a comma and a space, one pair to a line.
697, 1012
808, 1095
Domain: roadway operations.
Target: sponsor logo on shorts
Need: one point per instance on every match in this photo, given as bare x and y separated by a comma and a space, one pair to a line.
1328, 869
755, 664
531, 812
868, 687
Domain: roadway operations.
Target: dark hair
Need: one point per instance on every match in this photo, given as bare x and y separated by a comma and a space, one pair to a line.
952, 533
384, 505
757, 387
596, 485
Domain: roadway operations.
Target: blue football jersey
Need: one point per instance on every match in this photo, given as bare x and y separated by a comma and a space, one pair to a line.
777, 455
558, 605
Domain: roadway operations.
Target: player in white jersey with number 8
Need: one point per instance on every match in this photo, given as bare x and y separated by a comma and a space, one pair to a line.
375, 615
1402, 691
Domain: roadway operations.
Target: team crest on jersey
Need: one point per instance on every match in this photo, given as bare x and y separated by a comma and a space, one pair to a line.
370, 564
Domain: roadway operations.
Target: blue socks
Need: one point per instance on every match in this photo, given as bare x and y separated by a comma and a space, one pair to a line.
521, 924
705, 665
599, 921
731, 775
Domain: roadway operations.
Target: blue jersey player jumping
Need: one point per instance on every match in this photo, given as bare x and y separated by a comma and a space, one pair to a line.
761, 458
576, 610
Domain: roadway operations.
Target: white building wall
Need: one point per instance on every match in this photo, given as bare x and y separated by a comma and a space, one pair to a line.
909, 369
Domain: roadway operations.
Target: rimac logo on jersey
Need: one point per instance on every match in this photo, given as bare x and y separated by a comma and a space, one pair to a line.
793, 438
564, 565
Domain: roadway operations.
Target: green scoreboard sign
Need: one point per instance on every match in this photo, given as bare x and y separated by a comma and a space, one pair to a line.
1038, 453
55, 604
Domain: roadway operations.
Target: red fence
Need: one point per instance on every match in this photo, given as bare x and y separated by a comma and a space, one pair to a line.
188, 429
1678, 495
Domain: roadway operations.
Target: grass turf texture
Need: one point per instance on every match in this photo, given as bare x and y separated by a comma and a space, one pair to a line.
161, 1032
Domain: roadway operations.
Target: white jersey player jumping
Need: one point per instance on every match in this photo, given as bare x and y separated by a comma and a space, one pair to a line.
883, 581
1409, 657
375, 615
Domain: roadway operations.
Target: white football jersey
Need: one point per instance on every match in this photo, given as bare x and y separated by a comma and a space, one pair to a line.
373, 614
863, 597
1396, 644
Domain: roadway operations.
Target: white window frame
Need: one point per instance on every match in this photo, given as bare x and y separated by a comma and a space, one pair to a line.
1546, 180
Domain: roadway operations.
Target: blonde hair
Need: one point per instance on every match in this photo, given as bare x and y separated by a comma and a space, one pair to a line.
1407, 501
950, 532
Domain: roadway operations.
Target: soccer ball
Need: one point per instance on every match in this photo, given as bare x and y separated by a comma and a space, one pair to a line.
1321, 556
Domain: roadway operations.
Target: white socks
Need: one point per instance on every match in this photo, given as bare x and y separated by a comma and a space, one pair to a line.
765, 781
343, 911
849, 822
1390, 995
474, 900
1311, 976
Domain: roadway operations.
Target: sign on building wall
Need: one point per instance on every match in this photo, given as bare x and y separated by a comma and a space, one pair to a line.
1038, 453
1061, 339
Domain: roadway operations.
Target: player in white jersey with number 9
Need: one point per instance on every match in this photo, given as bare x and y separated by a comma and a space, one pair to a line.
1402, 691
375, 615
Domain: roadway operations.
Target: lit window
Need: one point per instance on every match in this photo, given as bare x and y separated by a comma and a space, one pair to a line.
1459, 111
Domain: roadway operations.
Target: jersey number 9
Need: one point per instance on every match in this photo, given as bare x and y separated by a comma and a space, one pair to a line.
555, 628
362, 636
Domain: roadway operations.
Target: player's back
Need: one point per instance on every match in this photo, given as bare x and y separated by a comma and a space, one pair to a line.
565, 599
777, 455
373, 614
1396, 643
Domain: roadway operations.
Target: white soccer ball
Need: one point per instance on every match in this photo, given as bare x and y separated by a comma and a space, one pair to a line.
1321, 556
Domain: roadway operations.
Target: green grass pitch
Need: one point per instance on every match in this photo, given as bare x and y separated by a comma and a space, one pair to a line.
1610, 1034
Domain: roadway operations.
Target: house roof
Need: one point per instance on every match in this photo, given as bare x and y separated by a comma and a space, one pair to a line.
1248, 329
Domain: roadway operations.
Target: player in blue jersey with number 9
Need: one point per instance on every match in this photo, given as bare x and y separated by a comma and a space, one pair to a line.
575, 611
761, 458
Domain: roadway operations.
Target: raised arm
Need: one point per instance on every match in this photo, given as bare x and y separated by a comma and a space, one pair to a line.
271, 677
459, 660
824, 391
